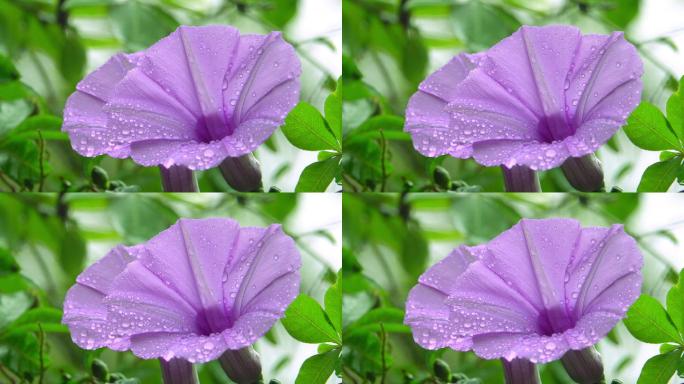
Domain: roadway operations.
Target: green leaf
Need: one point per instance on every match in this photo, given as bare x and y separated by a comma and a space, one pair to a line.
647, 321
305, 321
279, 12
675, 114
49, 319
660, 368
318, 368
306, 129
317, 176
659, 176
7, 70
481, 25
72, 57
675, 303
140, 217
333, 303
647, 129
333, 114
141, 25
620, 12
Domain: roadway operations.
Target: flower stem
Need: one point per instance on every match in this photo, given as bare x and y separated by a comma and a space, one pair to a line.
584, 366
242, 365
178, 179
242, 173
520, 179
178, 371
520, 371
584, 173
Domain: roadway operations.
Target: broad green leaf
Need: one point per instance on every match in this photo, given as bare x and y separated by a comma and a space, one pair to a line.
481, 25
36, 319
675, 114
306, 321
675, 303
318, 368
333, 303
72, 57
305, 128
392, 320
415, 57
71, 4
141, 25
7, 70
647, 321
333, 114
140, 217
659, 176
279, 12
317, 176
12, 283
660, 368
647, 129
619, 12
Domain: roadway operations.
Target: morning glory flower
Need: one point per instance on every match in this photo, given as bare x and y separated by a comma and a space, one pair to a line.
199, 98
201, 290
541, 98
540, 291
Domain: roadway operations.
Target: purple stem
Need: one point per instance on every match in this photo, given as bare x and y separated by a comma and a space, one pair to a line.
584, 173
520, 371
178, 371
178, 179
584, 366
520, 179
242, 365
242, 173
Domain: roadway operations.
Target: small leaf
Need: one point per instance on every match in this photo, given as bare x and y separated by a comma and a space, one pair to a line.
647, 129
333, 114
305, 321
660, 368
317, 176
318, 368
333, 303
659, 176
675, 303
141, 25
305, 128
647, 321
675, 113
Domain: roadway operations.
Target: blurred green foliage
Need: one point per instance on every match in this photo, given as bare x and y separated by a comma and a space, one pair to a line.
46, 47
390, 239
390, 46
46, 240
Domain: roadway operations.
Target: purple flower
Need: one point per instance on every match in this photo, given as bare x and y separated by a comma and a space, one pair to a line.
535, 292
535, 99
193, 99
194, 291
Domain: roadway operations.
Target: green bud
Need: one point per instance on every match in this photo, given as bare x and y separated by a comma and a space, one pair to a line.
616, 381
99, 177
458, 378
116, 376
116, 185
442, 178
408, 377
442, 370
274, 381
99, 370
274, 190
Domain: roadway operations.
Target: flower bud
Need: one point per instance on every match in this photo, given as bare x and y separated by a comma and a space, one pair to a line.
242, 173
584, 173
441, 370
242, 366
520, 371
100, 178
520, 179
583, 366
99, 370
178, 371
178, 179
442, 178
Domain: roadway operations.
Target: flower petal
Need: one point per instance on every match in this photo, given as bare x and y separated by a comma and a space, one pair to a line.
192, 262
84, 311
84, 119
140, 302
532, 154
263, 65
426, 119
189, 65
261, 258
604, 257
533, 347
426, 311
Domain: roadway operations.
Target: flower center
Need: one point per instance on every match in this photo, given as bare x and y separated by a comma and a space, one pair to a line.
212, 128
213, 320
554, 128
554, 320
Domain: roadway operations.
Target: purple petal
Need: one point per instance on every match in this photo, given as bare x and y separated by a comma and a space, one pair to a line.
84, 312
426, 309
536, 98
84, 119
426, 119
263, 258
536, 290
536, 348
